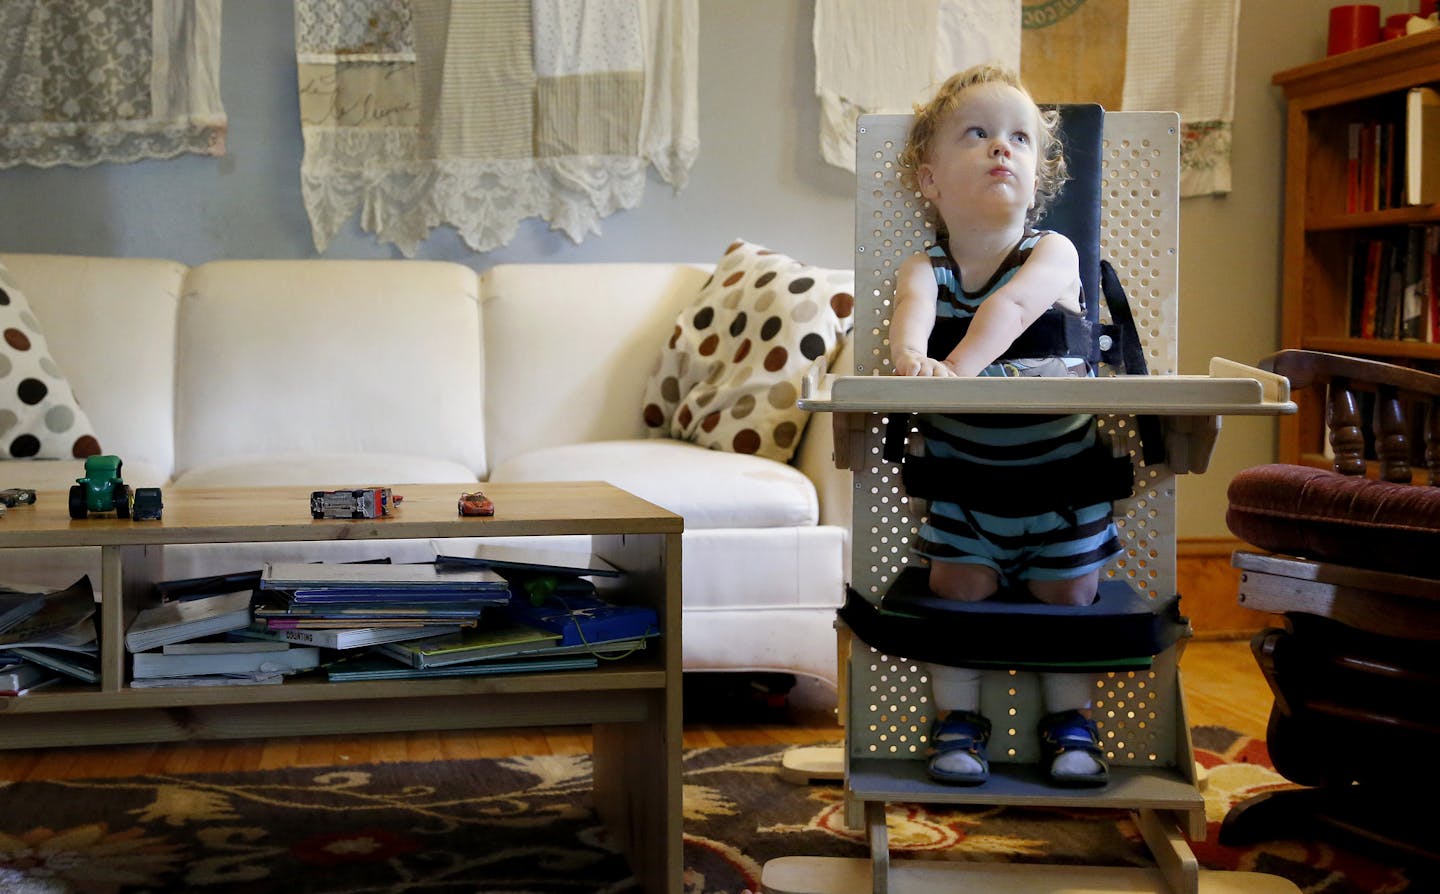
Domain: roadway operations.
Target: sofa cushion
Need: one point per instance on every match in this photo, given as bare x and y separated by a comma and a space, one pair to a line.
729, 374
327, 470
568, 347
110, 323
39, 415
708, 488
329, 357
1346, 520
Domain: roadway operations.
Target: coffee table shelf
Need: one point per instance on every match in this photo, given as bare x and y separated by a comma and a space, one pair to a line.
633, 705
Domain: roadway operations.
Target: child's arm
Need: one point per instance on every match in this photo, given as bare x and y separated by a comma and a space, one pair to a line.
913, 318
1050, 274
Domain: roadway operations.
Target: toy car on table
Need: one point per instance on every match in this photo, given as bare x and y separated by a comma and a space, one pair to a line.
101, 490
17, 496
147, 505
359, 502
476, 503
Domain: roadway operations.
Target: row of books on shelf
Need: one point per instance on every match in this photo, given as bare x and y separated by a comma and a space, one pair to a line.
501, 610
1390, 164
1394, 285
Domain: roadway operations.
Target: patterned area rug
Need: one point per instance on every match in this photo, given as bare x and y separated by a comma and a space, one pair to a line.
524, 824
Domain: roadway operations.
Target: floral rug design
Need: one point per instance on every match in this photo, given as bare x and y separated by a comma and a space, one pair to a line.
524, 824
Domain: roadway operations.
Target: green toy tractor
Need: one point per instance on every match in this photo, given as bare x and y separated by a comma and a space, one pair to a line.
101, 490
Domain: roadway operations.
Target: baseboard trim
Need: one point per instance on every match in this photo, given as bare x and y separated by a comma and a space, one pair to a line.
1188, 547
1209, 589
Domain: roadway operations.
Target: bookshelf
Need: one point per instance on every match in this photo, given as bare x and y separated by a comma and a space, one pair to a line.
1321, 236
632, 706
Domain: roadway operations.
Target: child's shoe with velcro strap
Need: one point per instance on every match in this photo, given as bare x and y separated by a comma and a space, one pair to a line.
958, 744
1070, 749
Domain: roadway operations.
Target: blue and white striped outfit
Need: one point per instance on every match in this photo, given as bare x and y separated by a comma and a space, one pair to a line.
1055, 545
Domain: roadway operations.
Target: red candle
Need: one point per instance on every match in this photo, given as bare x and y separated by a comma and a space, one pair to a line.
1353, 26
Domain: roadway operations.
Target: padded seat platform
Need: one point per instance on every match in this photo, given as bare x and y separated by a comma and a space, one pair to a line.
1347, 520
1121, 630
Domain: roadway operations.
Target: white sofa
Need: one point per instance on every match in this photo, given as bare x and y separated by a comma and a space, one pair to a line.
345, 373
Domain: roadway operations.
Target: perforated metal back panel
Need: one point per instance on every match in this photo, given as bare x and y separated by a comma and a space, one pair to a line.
889, 704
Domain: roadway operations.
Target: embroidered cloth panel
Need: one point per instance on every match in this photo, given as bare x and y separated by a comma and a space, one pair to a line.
109, 81
417, 113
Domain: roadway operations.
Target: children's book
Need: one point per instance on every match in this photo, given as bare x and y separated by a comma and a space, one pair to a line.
174, 622
378, 667
607, 650
78, 665
472, 645
329, 578
206, 680
158, 664
16, 605
539, 561
222, 647
354, 637
19, 676
65, 621
581, 619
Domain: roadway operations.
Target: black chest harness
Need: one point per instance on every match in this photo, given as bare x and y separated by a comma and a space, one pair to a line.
1089, 477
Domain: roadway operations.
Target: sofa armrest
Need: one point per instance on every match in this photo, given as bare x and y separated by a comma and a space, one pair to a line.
816, 458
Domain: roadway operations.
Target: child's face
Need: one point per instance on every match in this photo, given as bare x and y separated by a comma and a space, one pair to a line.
981, 163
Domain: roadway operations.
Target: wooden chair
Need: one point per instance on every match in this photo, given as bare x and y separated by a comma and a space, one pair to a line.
1353, 564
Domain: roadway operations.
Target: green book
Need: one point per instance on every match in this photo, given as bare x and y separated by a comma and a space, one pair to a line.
378, 667
470, 645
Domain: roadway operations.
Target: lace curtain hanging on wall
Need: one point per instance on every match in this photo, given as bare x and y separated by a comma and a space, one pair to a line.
418, 113
109, 81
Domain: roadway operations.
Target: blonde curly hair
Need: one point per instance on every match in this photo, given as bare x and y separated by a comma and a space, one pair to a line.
1050, 170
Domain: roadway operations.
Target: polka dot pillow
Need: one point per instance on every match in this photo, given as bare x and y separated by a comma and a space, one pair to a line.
730, 374
39, 417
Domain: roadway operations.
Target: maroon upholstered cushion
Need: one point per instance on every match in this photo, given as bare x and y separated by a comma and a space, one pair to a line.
1346, 520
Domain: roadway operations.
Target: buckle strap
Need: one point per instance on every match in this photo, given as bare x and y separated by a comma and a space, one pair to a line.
1070, 730
962, 730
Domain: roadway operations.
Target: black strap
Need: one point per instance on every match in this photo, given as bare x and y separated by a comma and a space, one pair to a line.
1056, 333
1089, 477
1127, 351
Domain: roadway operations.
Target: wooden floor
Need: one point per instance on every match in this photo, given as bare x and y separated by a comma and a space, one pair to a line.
1222, 684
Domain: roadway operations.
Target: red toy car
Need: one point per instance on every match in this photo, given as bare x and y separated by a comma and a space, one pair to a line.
476, 503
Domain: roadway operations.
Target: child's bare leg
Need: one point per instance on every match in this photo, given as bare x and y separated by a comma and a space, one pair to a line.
1075, 591
963, 581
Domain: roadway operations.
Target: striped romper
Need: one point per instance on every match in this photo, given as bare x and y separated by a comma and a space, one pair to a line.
1056, 545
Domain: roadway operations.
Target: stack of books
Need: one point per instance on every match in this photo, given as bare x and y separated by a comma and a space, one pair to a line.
47, 636
348, 606
173, 645
553, 620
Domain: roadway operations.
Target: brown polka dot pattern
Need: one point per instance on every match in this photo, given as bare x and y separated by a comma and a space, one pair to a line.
39, 416
754, 329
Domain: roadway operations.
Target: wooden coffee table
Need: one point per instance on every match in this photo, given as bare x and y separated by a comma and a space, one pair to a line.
632, 705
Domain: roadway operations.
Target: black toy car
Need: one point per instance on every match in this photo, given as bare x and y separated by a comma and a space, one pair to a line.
146, 504
17, 496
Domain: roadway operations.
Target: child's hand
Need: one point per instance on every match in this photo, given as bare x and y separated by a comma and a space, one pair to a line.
914, 363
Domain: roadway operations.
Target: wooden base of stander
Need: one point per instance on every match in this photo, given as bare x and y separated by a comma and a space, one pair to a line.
837, 875
1166, 805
